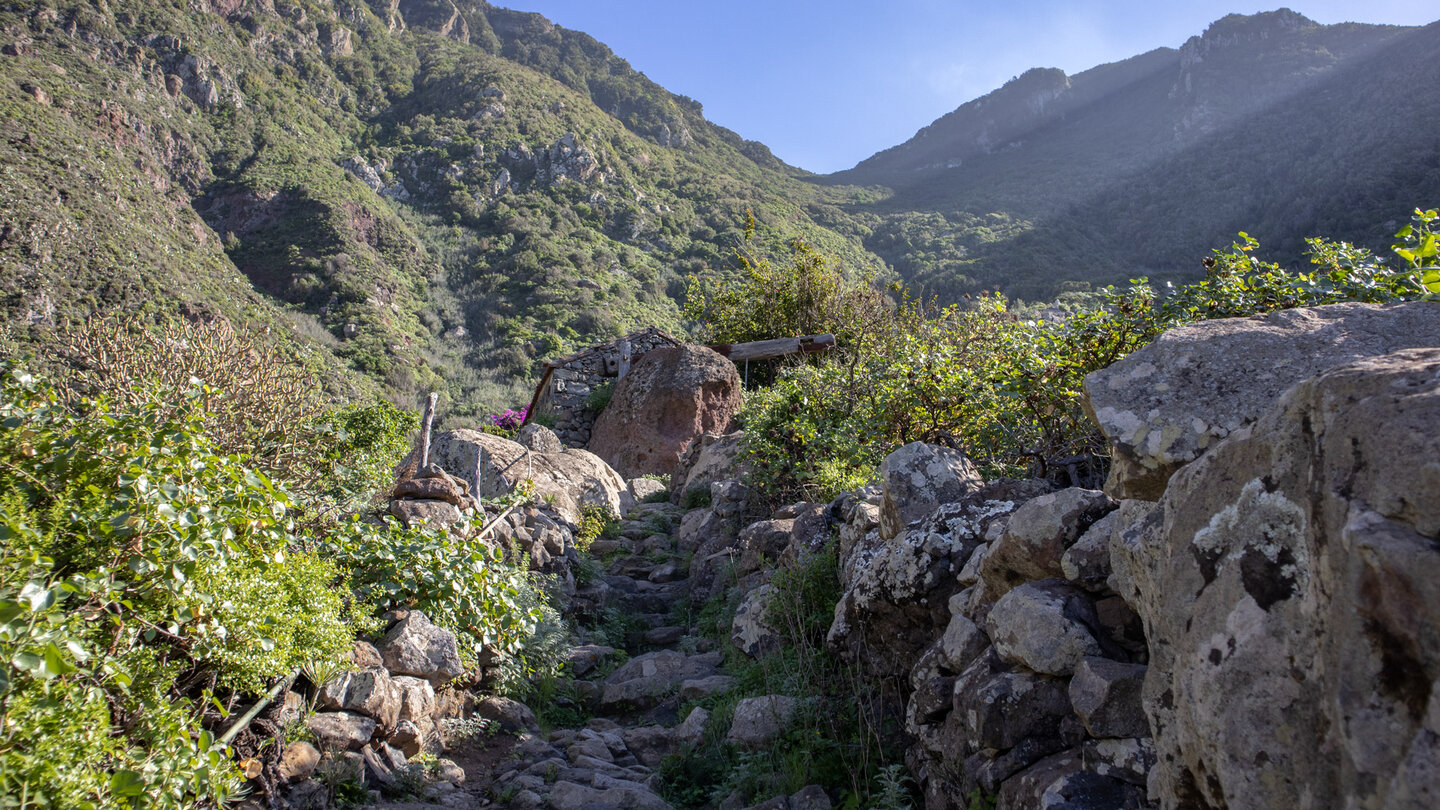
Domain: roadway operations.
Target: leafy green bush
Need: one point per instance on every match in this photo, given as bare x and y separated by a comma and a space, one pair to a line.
595, 522
365, 444
1006, 389
126, 539
695, 498
461, 584
809, 295
599, 397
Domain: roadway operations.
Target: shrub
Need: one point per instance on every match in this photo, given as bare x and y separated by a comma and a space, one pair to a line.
599, 397
595, 521
1007, 389
460, 584
122, 530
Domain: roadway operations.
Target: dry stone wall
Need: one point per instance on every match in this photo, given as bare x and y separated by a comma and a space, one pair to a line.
578, 375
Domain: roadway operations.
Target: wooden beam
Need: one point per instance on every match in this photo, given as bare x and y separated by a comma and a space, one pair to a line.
777, 347
539, 390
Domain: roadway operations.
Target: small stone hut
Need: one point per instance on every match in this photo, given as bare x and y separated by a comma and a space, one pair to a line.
566, 383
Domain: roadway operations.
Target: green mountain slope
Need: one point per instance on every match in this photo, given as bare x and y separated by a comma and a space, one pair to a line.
428, 195
1270, 124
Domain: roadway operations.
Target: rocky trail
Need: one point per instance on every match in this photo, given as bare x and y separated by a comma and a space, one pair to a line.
612, 757
1053, 646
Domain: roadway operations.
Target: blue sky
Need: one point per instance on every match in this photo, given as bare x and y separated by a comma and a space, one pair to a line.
827, 84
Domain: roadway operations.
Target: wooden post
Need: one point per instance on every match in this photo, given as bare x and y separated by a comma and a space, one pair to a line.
426, 421
624, 346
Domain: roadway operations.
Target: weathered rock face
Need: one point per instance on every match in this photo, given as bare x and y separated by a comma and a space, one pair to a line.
565, 481
414, 646
919, 477
1164, 405
1289, 582
707, 459
669, 398
897, 589
370, 692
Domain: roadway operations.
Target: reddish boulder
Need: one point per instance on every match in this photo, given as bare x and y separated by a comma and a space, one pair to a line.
671, 396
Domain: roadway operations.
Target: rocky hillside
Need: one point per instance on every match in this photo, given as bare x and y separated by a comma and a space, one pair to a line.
430, 196
435, 195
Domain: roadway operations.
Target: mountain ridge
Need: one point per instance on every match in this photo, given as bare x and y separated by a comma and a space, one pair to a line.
426, 194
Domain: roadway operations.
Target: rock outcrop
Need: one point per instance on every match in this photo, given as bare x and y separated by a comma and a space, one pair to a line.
1289, 581
671, 396
564, 481
1164, 405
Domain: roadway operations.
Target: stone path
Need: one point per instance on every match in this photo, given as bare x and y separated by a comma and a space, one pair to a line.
614, 757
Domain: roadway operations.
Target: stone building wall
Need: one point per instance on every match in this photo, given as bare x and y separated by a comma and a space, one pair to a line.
576, 376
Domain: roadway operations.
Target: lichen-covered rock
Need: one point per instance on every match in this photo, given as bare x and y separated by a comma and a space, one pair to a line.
1290, 586
919, 477
414, 646
897, 591
672, 396
751, 632
962, 643
1048, 626
1000, 706
758, 720
762, 543
1106, 696
565, 481
370, 692
1037, 534
1164, 405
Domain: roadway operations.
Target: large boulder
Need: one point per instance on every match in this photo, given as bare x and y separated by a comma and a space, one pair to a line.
919, 477
1289, 582
414, 646
708, 459
671, 396
1164, 405
565, 481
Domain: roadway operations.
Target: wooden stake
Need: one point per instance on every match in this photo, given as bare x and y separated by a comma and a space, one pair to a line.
624, 347
426, 422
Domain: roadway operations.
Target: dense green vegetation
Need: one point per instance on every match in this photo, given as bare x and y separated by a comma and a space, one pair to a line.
419, 210
419, 203
1005, 385
166, 554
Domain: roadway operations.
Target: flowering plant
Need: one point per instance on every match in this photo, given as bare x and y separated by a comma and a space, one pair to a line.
509, 420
